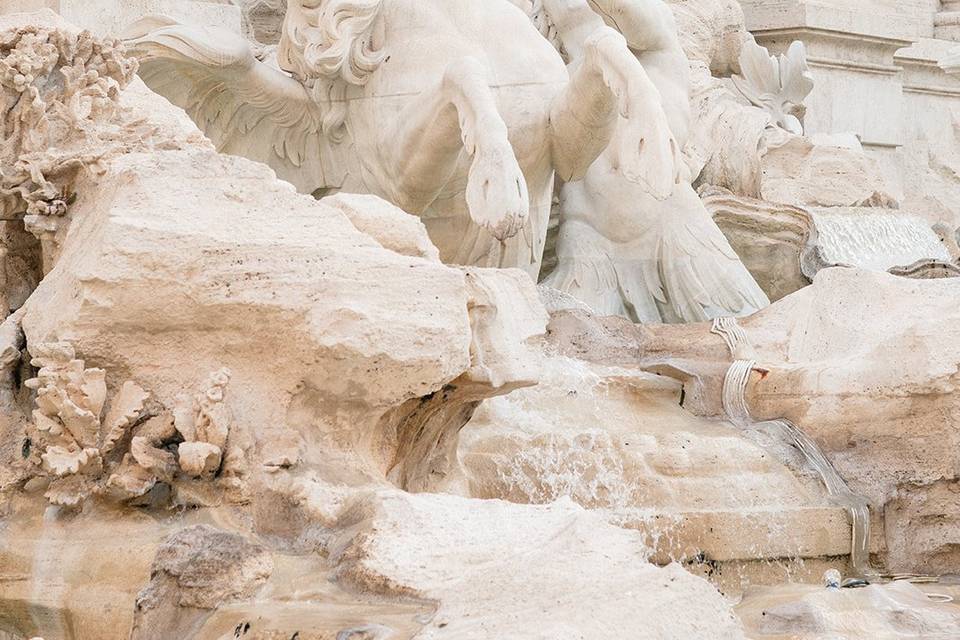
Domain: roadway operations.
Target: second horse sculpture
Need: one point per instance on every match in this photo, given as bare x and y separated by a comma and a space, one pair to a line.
457, 111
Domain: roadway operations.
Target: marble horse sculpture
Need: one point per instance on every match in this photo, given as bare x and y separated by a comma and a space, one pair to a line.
457, 111
623, 249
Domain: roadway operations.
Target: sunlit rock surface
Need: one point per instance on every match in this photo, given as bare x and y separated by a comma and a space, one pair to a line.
346, 368
234, 411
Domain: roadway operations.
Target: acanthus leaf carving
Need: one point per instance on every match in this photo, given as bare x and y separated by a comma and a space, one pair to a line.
776, 84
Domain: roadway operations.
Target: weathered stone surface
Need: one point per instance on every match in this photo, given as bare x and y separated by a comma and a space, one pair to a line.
823, 171
619, 442
502, 570
386, 224
196, 570
876, 388
345, 438
775, 241
807, 612
110, 17
823, 360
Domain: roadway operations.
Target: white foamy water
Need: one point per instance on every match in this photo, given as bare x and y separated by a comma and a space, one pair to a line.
877, 241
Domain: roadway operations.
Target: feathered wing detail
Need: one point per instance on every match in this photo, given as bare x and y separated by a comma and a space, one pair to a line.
246, 107
699, 276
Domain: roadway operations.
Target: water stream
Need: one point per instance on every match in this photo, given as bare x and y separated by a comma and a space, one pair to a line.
735, 406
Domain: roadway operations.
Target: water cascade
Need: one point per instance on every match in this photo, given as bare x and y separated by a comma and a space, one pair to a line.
877, 241
735, 406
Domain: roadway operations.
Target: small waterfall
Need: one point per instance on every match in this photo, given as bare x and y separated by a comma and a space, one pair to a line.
733, 334
855, 505
877, 241
735, 406
734, 392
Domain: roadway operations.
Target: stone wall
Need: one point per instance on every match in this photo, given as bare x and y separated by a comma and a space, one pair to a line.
876, 74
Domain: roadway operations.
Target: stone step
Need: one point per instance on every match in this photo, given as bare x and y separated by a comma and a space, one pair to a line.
735, 550
745, 534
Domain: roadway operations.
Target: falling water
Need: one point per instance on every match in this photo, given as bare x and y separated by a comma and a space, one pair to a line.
856, 505
877, 241
733, 335
735, 406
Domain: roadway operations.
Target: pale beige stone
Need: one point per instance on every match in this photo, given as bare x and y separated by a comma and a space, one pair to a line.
199, 459
500, 570
388, 446
109, 17
807, 612
618, 442
197, 569
822, 360
386, 224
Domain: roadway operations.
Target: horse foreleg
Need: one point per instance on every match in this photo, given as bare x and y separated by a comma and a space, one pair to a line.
459, 115
610, 90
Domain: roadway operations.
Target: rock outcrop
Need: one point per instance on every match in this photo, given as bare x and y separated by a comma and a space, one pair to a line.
861, 361
345, 359
195, 571
499, 569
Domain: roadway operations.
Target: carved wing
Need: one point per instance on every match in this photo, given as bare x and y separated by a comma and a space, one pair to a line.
246, 107
700, 276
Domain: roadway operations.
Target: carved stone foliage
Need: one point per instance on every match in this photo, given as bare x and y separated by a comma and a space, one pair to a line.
83, 445
59, 91
204, 422
776, 84
71, 437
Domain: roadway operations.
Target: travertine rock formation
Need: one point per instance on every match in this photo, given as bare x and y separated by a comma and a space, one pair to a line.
354, 360
231, 410
617, 441
807, 612
822, 360
499, 569
196, 570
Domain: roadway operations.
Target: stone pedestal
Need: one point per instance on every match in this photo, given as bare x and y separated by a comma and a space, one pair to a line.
110, 17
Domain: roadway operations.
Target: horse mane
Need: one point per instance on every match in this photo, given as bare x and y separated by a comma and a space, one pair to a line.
326, 44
